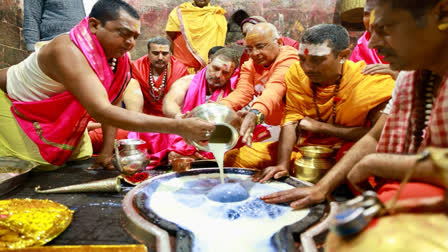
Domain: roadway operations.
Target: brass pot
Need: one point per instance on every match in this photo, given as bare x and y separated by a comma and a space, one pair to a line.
314, 163
227, 124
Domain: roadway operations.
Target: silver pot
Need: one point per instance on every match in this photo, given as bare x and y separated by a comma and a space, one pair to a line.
227, 124
129, 160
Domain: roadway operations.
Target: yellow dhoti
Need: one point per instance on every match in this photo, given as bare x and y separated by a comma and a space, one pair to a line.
259, 156
15, 143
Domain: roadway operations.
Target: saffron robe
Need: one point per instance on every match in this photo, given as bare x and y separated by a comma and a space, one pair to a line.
358, 94
199, 30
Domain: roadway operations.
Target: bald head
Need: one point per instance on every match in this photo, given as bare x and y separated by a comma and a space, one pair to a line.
263, 44
265, 30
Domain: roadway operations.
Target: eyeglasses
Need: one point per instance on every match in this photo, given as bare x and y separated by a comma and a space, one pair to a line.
258, 47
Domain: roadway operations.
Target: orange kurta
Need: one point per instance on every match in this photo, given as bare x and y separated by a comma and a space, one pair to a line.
140, 72
358, 94
266, 84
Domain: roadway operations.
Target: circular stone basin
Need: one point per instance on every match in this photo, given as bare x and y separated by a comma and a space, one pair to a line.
199, 211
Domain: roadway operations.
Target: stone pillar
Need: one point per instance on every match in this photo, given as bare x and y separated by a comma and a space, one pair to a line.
12, 45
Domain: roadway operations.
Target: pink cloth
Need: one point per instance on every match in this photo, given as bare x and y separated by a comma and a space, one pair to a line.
57, 124
363, 52
158, 145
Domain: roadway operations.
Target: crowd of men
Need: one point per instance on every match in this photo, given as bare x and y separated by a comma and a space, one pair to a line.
311, 90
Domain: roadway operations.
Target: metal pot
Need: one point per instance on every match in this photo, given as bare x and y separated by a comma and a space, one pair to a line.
314, 163
227, 124
129, 160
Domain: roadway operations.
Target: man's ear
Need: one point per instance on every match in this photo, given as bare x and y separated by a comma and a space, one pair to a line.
280, 41
94, 25
344, 54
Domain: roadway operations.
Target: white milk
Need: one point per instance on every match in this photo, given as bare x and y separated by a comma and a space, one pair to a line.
218, 150
207, 220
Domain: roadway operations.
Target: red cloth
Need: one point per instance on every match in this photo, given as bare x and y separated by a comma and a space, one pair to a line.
140, 72
57, 124
96, 137
363, 52
411, 190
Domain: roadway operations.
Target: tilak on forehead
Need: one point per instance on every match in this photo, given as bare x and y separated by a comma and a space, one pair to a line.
315, 49
224, 64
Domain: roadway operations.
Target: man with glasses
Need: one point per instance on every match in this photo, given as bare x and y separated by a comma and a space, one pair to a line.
262, 79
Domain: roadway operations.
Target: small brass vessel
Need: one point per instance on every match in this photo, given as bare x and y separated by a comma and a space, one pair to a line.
314, 163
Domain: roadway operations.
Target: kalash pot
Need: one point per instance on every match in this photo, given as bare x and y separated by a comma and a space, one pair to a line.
227, 124
129, 159
314, 163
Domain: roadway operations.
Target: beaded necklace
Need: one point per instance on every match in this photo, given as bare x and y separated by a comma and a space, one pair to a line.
335, 93
156, 93
112, 63
423, 104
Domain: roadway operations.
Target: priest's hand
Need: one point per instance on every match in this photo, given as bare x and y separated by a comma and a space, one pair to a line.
380, 69
195, 129
247, 127
103, 160
298, 197
275, 172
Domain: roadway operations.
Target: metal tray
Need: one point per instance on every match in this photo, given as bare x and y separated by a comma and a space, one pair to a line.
13, 172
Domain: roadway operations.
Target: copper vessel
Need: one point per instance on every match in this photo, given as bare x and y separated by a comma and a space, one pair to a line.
314, 163
227, 124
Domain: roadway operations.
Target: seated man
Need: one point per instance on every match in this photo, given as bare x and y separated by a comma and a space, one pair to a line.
210, 84
417, 117
247, 24
375, 62
329, 101
417, 121
48, 99
262, 81
155, 73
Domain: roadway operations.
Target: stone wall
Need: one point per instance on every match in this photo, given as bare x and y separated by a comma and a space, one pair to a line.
291, 17
12, 45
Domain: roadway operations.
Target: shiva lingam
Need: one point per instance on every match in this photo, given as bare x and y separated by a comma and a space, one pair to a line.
227, 124
187, 208
129, 159
314, 163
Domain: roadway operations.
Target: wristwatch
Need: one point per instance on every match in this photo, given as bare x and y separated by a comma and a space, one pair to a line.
260, 116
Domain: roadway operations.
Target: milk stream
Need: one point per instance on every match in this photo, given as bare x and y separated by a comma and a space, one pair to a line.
218, 150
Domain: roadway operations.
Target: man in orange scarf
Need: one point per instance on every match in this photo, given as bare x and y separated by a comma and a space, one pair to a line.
195, 27
262, 80
329, 101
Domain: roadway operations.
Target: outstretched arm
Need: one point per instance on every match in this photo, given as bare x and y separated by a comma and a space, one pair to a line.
302, 197
57, 60
174, 99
